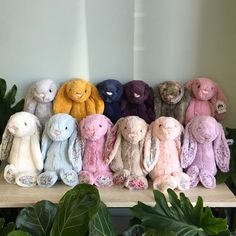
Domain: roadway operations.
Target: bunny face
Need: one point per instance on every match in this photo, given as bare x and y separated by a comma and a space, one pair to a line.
23, 124
132, 128
171, 92
93, 127
60, 127
78, 90
204, 129
165, 128
110, 90
44, 91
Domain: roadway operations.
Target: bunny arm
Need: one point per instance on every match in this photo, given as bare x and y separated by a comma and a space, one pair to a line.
116, 151
97, 100
157, 103
190, 111
30, 103
45, 143
6, 145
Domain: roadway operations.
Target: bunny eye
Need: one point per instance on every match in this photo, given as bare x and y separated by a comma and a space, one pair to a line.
160, 125
85, 91
125, 127
50, 90
25, 123
198, 86
83, 127
212, 88
141, 131
100, 126
66, 128
179, 91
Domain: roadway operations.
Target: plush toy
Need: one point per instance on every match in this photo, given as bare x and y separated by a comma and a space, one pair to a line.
171, 99
138, 100
126, 157
162, 155
204, 147
94, 130
60, 147
207, 99
78, 98
39, 99
21, 147
111, 91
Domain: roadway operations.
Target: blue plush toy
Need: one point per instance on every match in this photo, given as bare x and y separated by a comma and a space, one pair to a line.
111, 91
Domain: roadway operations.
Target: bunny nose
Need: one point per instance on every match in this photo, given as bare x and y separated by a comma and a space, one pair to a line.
57, 132
132, 135
79, 94
136, 95
109, 93
205, 91
42, 95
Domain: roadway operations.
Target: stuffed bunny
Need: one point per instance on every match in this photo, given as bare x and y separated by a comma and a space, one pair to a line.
21, 147
207, 99
138, 100
171, 99
78, 98
60, 148
162, 155
94, 130
126, 157
111, 91
39, 99
204, 147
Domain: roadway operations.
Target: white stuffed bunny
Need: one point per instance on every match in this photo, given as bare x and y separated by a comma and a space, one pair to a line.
21, 147
60, 147
39, 99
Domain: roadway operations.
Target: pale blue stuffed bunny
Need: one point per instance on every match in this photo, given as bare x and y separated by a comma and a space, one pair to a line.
60, 145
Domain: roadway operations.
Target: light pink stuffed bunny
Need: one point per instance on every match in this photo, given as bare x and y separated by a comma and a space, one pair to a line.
94, 130
204, 147
162, 155
207, 99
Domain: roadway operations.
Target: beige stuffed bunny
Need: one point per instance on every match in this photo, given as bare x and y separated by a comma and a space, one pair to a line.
21, 147
162, 155
126, 157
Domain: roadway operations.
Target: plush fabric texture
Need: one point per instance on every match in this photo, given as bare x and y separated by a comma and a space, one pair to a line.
162, 155
171, 99
207, 99
137, 100
39, 99
94, 130
21, 147
204, 148
78, 98
126, 157
60, 147
111, 91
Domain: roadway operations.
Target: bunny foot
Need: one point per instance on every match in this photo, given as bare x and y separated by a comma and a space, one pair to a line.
86, 177
137, 183
183, 181
26, 180
207, 179
104, 180
193, 173
162, 183
120, 177
47, 179
10, 174
69, 177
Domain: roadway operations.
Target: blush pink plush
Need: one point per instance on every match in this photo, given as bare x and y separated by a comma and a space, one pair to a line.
207, 99
204, 148
94, 130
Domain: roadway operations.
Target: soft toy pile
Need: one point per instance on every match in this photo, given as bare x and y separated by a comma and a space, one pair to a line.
113, 134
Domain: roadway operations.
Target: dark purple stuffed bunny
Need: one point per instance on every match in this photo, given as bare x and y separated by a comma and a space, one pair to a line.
138, 100
111, 91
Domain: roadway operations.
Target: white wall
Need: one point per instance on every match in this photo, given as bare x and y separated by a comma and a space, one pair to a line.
59, 39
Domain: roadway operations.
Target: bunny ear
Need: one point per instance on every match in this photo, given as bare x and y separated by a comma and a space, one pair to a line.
98, 102
62, 103
30, 103
157, 102
189, 84
221, 150
6, 144
189, 148
151, 150
46, 141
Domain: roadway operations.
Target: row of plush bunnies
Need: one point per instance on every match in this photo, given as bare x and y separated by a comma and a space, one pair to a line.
85, 147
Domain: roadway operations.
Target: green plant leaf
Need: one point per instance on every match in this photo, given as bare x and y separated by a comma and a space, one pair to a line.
4, 230
18, 233
38, 219
10, 96
3, 87
75, 210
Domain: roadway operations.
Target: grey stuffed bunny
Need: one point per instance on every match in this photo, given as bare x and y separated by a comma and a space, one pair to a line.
39, 99
60, 146
171, 99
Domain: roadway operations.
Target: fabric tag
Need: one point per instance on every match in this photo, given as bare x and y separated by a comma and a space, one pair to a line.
220, 107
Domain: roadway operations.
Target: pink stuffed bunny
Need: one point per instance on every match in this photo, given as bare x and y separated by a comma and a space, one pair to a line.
207, 99
204, 147
94, 130
162, 151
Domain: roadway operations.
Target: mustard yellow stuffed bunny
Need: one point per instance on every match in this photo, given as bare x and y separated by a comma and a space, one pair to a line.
78, 98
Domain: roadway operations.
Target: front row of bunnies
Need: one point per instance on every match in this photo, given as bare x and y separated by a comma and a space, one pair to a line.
96, 152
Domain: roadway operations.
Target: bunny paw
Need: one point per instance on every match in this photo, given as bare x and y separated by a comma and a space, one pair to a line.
183, 181
193, 173
119, 179
104, 181
137, 183
25, 180
69, 178
207, 179
9, 174
47, 179
86, 177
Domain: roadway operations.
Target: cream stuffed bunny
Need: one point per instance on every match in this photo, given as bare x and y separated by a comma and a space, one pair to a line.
162, 155
21, 147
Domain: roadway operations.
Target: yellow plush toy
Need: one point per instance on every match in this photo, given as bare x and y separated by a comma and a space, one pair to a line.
78, 98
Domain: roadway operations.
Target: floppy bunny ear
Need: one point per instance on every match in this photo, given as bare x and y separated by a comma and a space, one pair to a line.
99, 103
157, 102
62, 103
189, 147
189, 84
5, 147
151, 149
45, 142
30, 103
221, 150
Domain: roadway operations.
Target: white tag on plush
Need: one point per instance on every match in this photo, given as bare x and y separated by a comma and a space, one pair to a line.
220, 107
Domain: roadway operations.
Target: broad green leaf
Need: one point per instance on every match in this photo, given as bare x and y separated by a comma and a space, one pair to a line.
19, 233
3, 88
4, 230
75, 210
37, 219
10, 96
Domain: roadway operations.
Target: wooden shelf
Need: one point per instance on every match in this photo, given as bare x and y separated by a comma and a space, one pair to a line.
15, 196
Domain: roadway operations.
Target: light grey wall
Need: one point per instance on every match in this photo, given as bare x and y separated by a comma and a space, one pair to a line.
59, 39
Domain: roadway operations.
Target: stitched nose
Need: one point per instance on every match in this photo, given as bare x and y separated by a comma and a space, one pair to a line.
57, 132
205, 91
79, 94
109, 93
42, 95
136, 95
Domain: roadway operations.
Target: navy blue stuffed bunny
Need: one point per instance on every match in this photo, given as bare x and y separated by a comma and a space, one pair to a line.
111, 92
